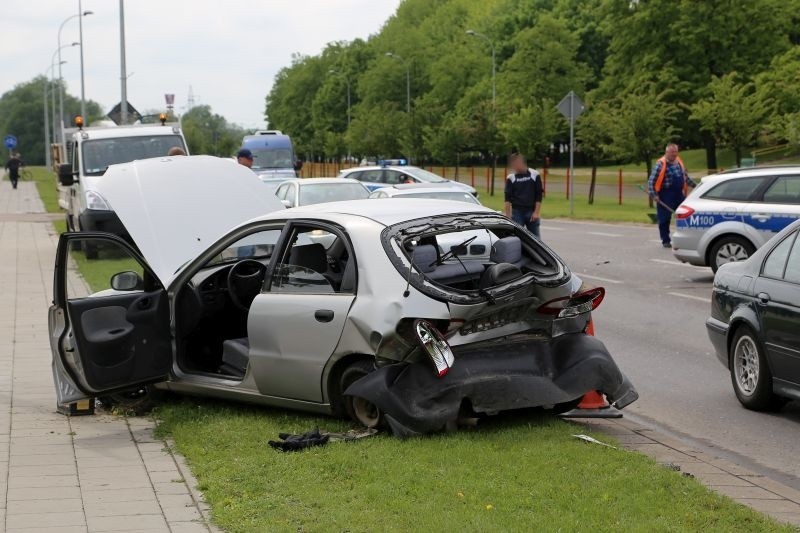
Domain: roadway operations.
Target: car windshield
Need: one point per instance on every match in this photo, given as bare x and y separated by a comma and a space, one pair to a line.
423, 175
98, 154
319, 193
442, 195
272, 158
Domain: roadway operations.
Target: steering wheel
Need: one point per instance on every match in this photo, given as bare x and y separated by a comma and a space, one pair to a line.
447, 255
244, 282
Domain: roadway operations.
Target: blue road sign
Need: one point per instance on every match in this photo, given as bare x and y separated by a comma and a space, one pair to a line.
10, 142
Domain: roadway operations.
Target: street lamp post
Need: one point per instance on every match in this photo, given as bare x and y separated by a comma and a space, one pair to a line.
60, 78
347, 82
408, 79
473, 33
48, 73
80, 38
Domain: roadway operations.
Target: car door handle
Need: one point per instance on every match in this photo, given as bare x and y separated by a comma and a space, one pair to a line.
323, 315
763, 298
762, 216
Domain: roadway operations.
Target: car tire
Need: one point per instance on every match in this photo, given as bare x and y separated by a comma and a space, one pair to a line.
358, 409
89, 250
750, 373
135, 402
729, 249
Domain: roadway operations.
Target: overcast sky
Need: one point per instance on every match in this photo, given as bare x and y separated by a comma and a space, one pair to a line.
227, 51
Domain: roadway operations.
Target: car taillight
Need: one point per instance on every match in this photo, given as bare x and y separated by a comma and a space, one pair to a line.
435, 345
577, 304
683, 211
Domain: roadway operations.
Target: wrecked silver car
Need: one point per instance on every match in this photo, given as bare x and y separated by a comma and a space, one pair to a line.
348, 308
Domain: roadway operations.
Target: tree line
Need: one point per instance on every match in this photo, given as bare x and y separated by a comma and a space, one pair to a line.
705, 74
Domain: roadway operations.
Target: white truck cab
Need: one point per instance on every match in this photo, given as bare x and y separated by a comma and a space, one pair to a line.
89, 152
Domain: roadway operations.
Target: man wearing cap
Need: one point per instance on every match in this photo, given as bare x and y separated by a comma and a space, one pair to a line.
245, 157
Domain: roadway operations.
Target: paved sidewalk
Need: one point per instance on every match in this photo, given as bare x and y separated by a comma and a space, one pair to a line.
98, 473
743, 485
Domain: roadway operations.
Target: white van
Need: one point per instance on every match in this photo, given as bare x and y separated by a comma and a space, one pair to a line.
89, 153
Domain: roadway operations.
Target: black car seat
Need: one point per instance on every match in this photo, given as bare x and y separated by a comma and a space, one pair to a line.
507, 250
425, 258
235, 356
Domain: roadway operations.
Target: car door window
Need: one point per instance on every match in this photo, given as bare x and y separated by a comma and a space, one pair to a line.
735, 190
281, 192
314, 261
775, 265
792, 272
371, 176
93, 263
784, 190
355, 176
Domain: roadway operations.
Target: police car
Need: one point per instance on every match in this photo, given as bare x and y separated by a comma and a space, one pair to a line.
731, 214
395, 172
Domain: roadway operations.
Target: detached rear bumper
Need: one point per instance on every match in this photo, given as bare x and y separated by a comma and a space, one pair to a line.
495, 377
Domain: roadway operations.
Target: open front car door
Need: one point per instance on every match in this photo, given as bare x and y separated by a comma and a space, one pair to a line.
109, 322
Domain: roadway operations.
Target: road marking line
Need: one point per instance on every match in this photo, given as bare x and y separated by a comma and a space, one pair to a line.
553, 228
603, 234
676, 263
689, 296
598, 278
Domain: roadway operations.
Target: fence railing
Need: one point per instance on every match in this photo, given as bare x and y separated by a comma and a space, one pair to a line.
620, 183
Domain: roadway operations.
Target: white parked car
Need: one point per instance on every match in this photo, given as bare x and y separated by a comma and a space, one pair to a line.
225, 293
396, 172
731, 214
297, 192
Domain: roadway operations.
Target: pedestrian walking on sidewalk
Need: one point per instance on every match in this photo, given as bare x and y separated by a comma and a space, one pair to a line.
668, 184
13, 165
523, 194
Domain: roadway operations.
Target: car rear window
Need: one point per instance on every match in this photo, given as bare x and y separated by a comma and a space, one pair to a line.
775, 264
784, 190
736, 190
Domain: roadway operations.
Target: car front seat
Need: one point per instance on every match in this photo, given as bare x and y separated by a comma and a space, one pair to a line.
235, 356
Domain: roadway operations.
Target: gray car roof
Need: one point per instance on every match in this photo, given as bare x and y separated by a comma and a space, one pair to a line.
386, 211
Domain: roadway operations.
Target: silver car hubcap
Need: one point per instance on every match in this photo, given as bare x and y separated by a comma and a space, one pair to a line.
745, 365
730, 253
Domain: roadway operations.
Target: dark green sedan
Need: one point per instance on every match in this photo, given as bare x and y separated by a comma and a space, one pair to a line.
755, 322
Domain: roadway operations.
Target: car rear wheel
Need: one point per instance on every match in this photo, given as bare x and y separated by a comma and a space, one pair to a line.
728, 250
750, 374
359, 409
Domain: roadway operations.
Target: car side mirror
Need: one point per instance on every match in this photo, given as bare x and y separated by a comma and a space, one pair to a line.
66, 176
127, 281
286, 203
298, 165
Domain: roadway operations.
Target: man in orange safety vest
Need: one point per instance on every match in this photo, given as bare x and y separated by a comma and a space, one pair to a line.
668, 184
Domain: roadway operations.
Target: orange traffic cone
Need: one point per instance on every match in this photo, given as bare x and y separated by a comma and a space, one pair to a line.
593, 400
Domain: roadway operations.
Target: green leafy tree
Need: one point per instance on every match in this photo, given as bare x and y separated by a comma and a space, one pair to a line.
734, 113
642, 124
681, 44
531, 129
780, 82
209, 133
594, 133
22, 115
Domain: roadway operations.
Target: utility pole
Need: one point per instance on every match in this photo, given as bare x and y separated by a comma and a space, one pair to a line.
80, 38
123, 76
47, 160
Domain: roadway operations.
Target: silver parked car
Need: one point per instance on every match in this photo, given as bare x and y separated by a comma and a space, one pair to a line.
297, 192
249, 304
731, 214
396, 172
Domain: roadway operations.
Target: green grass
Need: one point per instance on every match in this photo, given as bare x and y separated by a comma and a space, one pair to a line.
515, 473
46, 186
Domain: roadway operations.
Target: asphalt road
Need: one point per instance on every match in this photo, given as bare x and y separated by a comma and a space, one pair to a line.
653, 322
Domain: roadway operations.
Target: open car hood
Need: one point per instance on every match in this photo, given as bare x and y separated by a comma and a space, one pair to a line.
174, 208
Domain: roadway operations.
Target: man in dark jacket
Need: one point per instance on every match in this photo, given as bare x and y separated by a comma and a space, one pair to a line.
523, 194
12, 166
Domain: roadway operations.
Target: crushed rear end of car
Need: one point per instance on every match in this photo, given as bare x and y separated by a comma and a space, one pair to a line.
519, 334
